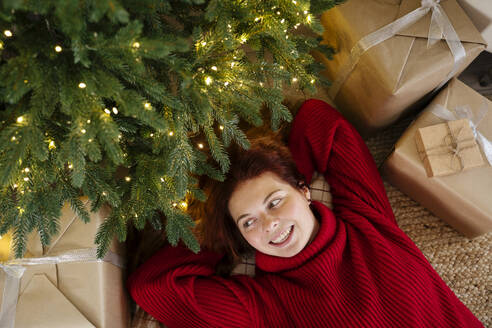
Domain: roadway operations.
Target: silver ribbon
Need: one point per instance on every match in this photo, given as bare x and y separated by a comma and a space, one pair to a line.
11, 287
439, 26
462, 112
14, 271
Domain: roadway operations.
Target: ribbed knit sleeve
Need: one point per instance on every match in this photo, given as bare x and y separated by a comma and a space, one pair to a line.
322, 140
178, 288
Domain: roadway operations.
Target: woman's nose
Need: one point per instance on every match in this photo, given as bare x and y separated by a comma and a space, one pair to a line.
270, 222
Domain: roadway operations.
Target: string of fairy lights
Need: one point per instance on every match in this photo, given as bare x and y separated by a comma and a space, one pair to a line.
207, 79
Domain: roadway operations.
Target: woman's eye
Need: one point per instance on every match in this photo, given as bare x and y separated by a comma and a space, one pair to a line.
248, 223
274, 202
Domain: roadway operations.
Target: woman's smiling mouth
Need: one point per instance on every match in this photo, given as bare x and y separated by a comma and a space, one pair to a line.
284, 237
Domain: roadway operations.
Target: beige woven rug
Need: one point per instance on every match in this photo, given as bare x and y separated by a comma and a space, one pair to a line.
465, 265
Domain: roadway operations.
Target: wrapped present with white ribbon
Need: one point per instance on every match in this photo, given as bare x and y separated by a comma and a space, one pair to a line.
391, 56
462, 199
64, 284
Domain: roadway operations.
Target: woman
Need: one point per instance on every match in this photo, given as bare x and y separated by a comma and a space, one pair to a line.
350, 267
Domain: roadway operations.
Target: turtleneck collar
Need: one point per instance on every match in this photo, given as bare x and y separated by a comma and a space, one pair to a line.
327, 228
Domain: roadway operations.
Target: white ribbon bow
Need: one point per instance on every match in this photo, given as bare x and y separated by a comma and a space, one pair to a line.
439, 26
465, 112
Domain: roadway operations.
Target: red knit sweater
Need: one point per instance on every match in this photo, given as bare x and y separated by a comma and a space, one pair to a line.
361, 270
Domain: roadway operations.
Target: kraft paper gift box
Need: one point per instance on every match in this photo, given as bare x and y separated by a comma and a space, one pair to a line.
480, 13
83, 292
448, 148
391, 78
464, 199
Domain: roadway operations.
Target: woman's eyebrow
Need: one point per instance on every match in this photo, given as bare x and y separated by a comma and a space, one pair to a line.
264, 201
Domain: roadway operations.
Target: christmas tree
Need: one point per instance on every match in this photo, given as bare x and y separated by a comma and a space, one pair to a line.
123, 101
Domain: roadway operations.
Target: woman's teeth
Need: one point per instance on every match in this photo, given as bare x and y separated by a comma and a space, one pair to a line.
283, 236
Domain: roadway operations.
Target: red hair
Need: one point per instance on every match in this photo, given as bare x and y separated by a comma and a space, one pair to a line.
218, 230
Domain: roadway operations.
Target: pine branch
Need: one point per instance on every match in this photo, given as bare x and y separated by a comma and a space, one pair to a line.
90, 89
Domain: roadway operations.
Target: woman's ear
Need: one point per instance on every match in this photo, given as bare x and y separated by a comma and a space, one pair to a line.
305, 190
307, 193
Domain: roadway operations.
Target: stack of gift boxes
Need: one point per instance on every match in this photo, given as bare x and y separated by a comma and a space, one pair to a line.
64, 284
400, 58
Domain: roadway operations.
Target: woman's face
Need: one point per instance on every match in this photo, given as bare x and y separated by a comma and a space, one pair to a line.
273, 216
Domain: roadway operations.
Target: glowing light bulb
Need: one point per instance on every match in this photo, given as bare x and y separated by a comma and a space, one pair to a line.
171, 133
257, 19
305, 12
82, 85
20, 119
243, 39
15, 185
58, 49
127, 179
70, 166
200, 145
294, 2
152, 135
184, 205
51, 145
208, 80
83, 131
7, 33
232, 64
294, 79
107, 111
204, 43
308, 18
13, 138
88, 121
278, 12
147, 105
26, 179
26, 170
104, 193
214, 68
90, 140
312, 81
175, 204
221, 127
136, 45
261, 84
282, 21
115, 110
226, 83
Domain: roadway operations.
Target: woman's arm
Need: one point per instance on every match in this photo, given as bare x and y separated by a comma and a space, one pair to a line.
178, 288
322, 140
